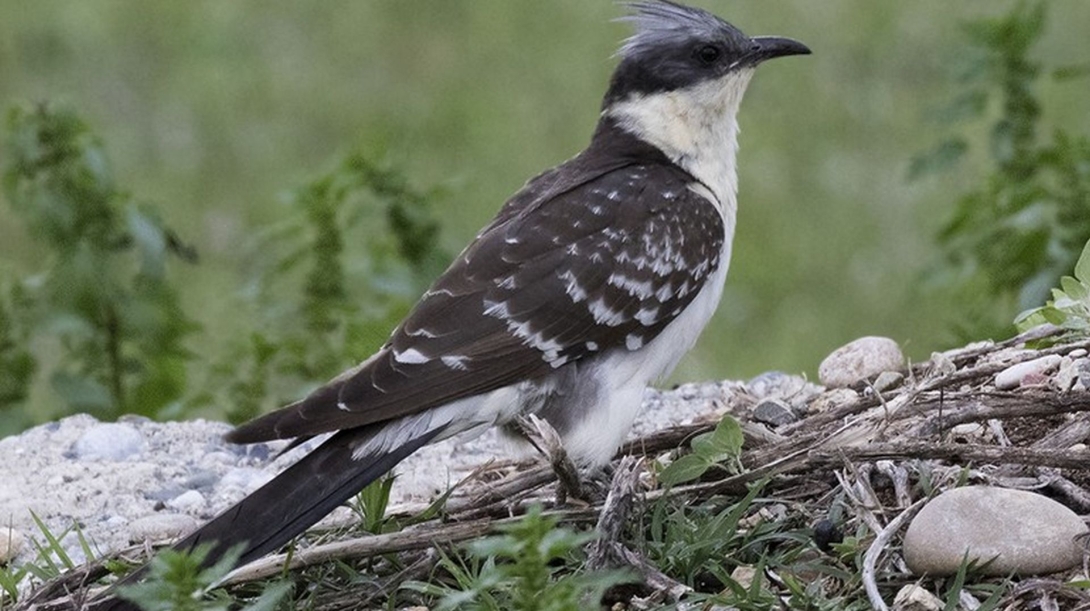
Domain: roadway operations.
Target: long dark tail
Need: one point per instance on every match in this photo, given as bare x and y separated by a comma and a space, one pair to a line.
289, 504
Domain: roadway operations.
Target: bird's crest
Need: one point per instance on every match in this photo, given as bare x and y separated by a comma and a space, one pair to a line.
660, 23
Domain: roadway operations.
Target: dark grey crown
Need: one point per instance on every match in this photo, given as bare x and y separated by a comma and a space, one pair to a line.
675, 46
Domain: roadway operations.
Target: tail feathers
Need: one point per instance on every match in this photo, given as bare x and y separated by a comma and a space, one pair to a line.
292, 502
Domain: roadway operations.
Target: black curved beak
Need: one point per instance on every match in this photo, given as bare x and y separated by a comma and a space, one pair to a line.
770, 47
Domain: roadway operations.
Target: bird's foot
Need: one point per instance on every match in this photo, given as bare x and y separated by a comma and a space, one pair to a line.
573, 487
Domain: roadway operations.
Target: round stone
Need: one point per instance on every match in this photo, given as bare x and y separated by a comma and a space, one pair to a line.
862, 358
774, 412
160, 527
1020, 532
109, 441
1016, 375
190, 501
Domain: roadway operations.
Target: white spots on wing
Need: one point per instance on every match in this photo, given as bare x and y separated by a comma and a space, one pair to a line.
511, 239
422, 332
596, 257
614, 196
592, 346
547, 346
662, 267
341, 406
497, 309
507, 282
572, 249
412, 356
597, 210
683, 290
665, 292
603, 314
641, 289
648, 315
455, 361
437, 292
572, 286
633, 341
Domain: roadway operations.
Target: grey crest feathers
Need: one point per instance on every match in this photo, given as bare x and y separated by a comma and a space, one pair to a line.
661, 24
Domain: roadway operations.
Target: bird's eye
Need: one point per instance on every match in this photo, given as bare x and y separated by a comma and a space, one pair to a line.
708, 54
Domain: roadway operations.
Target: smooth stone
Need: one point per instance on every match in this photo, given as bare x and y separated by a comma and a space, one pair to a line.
862, 358
11, 543
1025, 533
888, 380
1013, 376
915, 598
832, 399
190, 501
109, 441
774, 412
1067, 374
160, 527
743, 575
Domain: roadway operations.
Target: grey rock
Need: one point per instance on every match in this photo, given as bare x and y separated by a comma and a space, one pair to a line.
201, 480
109, 441
1025, 533
1015, 375
831, 400
916, 598
768, 383
775, 412
888, 380
862, 358
1068, 372
190, 501
160, 527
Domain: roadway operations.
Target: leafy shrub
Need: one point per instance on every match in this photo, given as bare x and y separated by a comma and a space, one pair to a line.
102, 291
1010, 239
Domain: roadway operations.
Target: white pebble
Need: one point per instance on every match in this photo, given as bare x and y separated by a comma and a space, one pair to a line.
1012, 376
862, 358
190, 501
109, 442
160, 527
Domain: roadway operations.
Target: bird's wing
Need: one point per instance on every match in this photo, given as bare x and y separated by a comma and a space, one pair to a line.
567, 272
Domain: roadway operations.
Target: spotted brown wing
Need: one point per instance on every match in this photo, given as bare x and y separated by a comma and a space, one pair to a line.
605, 265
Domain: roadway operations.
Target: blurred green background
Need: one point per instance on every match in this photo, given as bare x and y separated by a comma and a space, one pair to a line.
211, 110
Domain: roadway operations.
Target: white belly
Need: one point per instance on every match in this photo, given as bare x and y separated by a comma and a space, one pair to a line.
624, 376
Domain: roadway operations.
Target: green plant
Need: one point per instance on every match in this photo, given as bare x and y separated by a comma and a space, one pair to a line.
1009, 240
102, 290
1069, 307
525, 569
719, 448
17, 363
332, 277
176, 582
50, 559
371, 503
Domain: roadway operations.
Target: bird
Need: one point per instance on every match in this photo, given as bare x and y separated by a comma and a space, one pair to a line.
590, 284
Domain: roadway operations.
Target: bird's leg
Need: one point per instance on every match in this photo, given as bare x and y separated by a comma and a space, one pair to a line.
546, 440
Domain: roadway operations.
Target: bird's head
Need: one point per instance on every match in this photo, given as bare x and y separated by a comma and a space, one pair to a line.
677, 48
681, 78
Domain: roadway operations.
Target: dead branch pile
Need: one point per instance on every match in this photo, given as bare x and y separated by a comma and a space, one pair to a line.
859, 445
